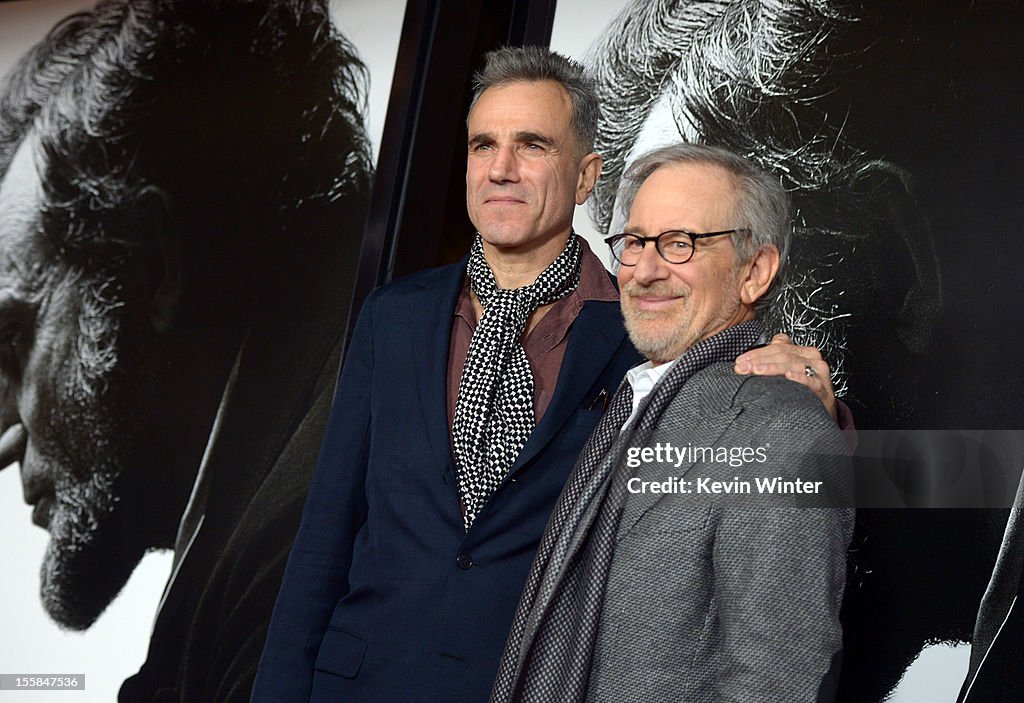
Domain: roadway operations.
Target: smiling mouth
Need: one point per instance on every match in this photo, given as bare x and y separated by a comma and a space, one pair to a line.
655, 302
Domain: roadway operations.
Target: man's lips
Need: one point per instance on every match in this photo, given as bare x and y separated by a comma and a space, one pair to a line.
37, 488
655, 302
42, 511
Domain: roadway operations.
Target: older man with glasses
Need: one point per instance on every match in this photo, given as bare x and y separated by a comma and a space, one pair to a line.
698, 551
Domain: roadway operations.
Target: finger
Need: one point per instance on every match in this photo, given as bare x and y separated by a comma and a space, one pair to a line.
782, 355
815, 379
781, 338
775, 361
819, 383
796, 371
779, 348
12, 445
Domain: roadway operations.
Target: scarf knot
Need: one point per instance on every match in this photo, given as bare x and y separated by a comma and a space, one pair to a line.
494, 411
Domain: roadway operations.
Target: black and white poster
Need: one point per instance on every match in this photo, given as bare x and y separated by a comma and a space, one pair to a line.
182, 196
895, 127
184, 187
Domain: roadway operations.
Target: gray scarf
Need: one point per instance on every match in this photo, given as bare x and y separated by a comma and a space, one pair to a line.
547, 656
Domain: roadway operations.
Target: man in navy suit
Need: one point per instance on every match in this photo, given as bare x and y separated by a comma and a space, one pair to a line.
461, 409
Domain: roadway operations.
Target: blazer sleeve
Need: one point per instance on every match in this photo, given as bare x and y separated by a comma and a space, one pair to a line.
780, 570
316, 576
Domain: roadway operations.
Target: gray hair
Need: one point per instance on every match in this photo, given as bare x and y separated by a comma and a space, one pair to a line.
762, 207
772, 54
513, 64
99, 92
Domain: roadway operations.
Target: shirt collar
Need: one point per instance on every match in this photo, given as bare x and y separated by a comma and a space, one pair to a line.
595, 284
647, 374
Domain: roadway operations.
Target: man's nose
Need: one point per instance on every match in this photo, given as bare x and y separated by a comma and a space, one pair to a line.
12, 431
12, 445
504, 166
650, 266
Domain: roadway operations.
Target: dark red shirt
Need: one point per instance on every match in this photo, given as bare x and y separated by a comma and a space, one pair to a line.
544, 344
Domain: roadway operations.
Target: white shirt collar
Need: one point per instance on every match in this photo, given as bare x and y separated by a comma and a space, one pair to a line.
642, 380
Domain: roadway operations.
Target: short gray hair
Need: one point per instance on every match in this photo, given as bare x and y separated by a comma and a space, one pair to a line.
514, 64
763, 205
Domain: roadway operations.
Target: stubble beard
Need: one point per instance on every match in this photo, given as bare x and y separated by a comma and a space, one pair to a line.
667, 335
94, 544
642, 326
89, 557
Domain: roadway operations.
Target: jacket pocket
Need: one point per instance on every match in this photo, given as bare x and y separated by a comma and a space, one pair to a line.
341, 653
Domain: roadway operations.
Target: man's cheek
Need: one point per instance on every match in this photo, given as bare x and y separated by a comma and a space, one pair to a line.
44, 383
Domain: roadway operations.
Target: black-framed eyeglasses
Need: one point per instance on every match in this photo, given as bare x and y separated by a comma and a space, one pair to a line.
674, 246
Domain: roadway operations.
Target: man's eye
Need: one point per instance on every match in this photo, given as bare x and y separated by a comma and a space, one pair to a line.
679, 245
10, 335
633, 244
12, 346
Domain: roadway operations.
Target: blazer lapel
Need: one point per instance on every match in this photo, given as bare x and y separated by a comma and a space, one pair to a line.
430, 319
594, 337
710, 422
708, 426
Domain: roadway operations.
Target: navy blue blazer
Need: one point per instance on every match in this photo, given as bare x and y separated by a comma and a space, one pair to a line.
386, 597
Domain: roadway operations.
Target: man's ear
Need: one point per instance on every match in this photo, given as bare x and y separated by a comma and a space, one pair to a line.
590, 169
758, 274
161, 260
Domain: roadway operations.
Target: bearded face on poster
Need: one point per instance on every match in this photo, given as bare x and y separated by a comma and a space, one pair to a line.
887, 125
183, 186
748, 75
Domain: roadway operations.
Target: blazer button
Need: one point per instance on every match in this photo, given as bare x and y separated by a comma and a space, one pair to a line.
464, 561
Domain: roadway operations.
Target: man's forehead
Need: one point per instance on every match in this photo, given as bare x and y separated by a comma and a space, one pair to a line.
683, 192
709, 175
20, 198
522, 106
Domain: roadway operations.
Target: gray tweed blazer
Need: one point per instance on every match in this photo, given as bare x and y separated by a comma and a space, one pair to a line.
724, 597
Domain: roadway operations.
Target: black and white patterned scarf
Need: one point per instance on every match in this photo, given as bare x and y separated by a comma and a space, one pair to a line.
494, 410
547, 656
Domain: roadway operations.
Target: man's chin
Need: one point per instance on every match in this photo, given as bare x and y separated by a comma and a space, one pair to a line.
654, 336
658, 350
79, 580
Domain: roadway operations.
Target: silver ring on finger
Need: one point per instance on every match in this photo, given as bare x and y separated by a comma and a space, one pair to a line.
809, 372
